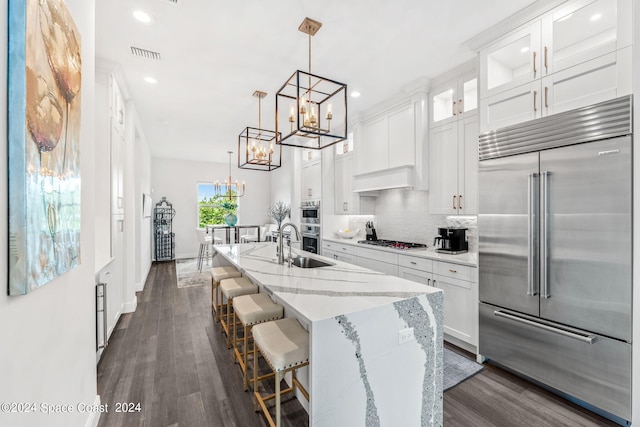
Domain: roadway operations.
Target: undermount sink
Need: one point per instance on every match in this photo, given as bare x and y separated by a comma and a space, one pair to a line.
308, 262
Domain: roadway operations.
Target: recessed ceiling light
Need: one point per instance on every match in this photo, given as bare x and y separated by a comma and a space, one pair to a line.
355, 94
525, 49
596, 17
141, 16
150, 80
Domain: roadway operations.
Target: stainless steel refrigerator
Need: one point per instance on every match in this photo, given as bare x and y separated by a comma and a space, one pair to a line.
555, 242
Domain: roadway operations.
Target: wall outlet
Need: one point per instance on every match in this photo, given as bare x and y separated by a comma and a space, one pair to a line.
405, 335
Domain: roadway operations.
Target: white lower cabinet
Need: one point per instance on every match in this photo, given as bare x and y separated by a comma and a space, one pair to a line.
381, 261
338, 252
416, 269
460, 286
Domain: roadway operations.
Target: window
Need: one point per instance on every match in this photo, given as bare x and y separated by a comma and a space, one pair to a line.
211, 208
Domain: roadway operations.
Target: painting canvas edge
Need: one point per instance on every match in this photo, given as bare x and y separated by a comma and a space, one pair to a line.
16, 145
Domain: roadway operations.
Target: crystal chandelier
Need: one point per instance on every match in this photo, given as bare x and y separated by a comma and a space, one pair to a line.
228, 188
311, 111
259, 145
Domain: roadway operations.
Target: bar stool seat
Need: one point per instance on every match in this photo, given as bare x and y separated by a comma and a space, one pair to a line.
285, 346
231, 288
251, 310
218, 274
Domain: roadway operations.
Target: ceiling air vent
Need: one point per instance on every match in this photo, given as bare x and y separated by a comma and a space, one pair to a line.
144, 53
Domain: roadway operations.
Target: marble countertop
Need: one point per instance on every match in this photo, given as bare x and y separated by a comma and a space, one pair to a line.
469, 258
319, 293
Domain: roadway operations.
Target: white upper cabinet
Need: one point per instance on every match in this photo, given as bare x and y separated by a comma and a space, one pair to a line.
311, 188
575, 55
389, 141
451, 100
453, 167
453, 143
511, 61
583, 30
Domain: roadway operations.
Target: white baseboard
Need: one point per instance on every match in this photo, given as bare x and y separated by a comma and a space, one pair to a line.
94, 417
130, 307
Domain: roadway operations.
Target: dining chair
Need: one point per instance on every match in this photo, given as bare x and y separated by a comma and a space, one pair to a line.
205, 241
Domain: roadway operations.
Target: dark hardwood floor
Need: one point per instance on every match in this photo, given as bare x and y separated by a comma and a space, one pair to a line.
170, 358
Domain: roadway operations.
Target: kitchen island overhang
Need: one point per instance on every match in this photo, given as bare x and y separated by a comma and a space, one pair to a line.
359, 373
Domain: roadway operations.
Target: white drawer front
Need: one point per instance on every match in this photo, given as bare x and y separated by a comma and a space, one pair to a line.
455, 271
383, 256
418, 263
337, 247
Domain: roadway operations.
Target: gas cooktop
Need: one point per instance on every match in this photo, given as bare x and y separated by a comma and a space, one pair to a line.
393, 244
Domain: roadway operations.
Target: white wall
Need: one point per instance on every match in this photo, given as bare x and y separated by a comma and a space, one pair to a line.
143, 225
47, 350
635, 366
176, 180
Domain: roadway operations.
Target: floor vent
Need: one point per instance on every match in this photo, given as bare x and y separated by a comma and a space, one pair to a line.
144, 53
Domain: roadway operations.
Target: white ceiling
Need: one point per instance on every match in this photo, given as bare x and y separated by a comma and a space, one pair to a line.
215, 54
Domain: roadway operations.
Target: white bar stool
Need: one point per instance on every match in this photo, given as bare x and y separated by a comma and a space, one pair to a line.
251, 310
285, 346
231, 288
218, 274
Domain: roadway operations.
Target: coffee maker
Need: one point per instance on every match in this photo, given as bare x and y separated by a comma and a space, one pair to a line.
451, 241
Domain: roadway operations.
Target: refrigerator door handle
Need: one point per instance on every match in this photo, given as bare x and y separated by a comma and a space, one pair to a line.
580, 336
532, 209
544, 237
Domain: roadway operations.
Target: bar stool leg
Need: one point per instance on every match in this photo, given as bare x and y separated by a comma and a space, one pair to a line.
278, 379
245, 357
229, 306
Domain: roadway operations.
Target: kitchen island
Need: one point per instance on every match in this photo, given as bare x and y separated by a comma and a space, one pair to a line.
359, 372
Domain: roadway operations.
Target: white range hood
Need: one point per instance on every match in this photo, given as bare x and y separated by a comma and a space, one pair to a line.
397, 177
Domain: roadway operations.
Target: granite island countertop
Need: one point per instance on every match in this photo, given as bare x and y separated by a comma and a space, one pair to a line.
323, 292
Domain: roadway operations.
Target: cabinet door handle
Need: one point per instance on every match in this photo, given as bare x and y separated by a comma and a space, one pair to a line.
535, 100
346, 204
546, 67
454, 202
459, 201
435, 283
535, 69
460, 106
428, 282
453, 108
546, 97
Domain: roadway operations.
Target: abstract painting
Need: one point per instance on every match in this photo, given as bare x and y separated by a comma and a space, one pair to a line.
44, 79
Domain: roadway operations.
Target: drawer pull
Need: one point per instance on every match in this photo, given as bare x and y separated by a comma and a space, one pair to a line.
453, 271
414, 263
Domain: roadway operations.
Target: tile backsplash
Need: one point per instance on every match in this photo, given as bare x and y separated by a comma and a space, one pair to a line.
403, 215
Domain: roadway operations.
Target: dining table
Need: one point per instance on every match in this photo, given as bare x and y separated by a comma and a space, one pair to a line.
236, 231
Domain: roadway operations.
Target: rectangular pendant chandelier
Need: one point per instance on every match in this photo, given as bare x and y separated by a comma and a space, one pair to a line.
257, 147
311, 111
